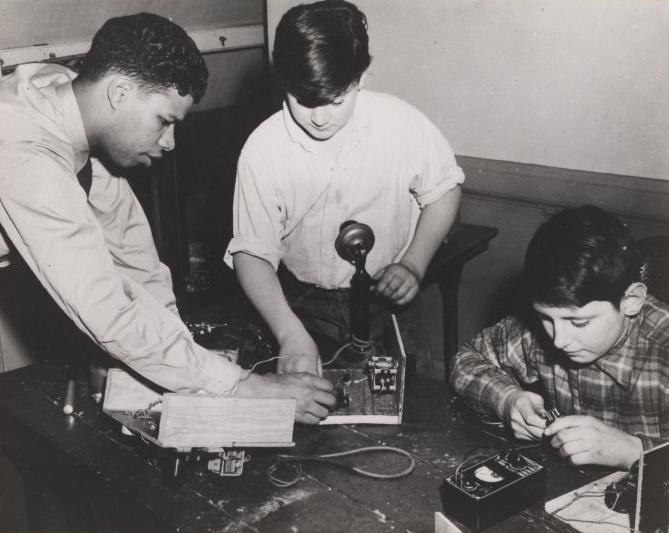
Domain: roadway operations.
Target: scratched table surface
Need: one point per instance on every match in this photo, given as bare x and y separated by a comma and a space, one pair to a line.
107, 481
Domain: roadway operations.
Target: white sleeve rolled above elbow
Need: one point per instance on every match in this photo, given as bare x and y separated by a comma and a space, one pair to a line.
254, 247
454, 177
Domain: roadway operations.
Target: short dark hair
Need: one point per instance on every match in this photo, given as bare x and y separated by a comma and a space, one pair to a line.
152, 50
320, 50
581, 255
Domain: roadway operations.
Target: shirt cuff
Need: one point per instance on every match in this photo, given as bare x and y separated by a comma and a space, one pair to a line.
217, 375
454, 177
496, 398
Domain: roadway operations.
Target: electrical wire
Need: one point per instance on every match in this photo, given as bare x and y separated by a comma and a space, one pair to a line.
247, 373
471, 455
347, 345
284, 483
475, 454
337, 354
294, 462
527, 447
491, 421
579, 496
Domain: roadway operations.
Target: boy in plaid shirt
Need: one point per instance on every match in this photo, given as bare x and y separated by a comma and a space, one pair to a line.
600, 355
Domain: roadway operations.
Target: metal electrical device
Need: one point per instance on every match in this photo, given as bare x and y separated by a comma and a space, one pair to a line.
364, 358
491, 490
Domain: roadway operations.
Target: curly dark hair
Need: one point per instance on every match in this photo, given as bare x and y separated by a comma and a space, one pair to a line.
321, 50
581, 255
152, 50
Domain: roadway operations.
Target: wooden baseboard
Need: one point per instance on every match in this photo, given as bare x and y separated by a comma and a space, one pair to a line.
631, 197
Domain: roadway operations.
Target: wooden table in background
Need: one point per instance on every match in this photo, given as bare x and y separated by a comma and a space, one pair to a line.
465, 241
83, 474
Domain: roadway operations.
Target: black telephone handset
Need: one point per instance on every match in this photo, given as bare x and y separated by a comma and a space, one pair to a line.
354, 241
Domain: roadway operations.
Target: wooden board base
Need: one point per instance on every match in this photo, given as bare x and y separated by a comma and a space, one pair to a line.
350, 375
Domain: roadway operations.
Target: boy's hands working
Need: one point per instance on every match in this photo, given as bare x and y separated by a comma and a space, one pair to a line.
397, 283
522, 411
580, 439
299, 353
400, 282
587, 440
313, 394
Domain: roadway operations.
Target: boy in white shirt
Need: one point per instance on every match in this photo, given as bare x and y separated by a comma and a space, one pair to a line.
335, 152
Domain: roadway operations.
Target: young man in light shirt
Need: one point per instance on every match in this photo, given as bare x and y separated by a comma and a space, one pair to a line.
79, 227
334, 153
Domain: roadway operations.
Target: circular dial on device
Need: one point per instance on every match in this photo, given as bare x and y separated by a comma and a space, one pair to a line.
487, 475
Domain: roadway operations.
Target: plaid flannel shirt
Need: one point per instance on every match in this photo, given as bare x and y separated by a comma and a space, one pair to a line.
627, 388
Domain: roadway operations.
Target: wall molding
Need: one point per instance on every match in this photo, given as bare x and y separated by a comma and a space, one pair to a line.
208, 41
556, 188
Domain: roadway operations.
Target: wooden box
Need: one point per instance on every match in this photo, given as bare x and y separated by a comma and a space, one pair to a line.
184, 421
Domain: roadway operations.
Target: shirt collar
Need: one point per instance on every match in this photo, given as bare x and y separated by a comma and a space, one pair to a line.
73, 125
618, 364
359, 119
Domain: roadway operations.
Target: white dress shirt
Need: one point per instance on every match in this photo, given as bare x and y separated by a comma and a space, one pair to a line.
291, 198
95, 255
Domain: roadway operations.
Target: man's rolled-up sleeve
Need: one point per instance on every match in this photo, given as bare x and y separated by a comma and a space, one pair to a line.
434, 166
258, 220
45, 214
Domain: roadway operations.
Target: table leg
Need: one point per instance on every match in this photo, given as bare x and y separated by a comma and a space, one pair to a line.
448, 287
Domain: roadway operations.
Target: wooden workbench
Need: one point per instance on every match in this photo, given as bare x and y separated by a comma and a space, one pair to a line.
464, 242
101, 480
